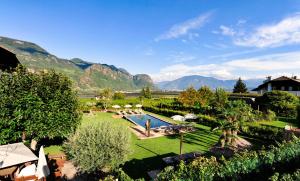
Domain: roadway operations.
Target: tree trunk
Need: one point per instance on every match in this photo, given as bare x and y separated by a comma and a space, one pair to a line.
234, 138
228, 137
33, 144
23, 136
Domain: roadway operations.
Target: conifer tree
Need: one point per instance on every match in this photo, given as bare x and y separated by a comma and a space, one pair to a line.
240, 87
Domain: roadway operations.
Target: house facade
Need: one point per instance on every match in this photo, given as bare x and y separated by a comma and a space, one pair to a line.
283, 83
8, 60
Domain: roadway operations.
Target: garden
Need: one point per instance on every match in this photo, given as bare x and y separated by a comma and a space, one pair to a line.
237, 138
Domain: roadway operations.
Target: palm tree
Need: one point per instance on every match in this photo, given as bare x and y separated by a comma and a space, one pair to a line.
234, 115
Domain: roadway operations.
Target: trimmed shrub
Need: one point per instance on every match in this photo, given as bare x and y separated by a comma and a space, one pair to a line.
263, 132
98, 146
283, 103
208, 121
164, 112
249, 164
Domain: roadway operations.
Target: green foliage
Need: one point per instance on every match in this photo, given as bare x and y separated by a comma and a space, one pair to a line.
237, 167
99, 146
270, 116
205, 96
105, 97
295, 176
189, 97
220, 100
240, 87
263, 132
164, 112
146, 93
281, 102
298, 115
40, 105
118, 96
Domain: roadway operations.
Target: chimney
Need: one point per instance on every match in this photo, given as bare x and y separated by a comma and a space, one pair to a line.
268, 78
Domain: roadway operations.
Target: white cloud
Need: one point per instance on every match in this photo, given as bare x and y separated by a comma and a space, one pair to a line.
182, 29
179, 70
227, 31
260, 66
284, 32
180, 57
283, 61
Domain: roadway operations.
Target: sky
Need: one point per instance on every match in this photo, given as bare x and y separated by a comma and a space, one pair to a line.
166, 39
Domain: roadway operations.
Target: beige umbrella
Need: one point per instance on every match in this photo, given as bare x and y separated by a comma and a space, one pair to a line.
15, 154
116, 106
178, 118
139, 105
127, 106
42, 167
190, 116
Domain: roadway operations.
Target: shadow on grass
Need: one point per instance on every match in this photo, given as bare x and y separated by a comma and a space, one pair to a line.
138, 168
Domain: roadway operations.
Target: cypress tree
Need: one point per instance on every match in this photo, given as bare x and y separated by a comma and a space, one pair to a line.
240, 87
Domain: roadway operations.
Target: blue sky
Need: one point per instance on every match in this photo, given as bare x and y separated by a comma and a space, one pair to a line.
165, 38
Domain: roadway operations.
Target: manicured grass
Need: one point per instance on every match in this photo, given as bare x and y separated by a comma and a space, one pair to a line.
279, 124
53, 150
147, 154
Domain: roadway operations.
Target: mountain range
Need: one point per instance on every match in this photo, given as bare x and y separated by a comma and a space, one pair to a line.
87, 77
198, 81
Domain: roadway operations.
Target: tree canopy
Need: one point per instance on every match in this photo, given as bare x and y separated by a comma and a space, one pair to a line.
240, 86
281, 102
41, 105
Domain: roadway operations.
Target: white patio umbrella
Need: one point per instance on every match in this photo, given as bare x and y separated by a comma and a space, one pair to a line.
178, 118
15, 154
116, 106
42, 167
139, 105
127, 106
190, 116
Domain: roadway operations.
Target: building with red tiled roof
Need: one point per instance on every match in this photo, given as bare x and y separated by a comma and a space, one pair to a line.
8, 60
283, 83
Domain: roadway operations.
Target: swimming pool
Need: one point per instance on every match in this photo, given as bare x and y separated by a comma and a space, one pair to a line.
141, 119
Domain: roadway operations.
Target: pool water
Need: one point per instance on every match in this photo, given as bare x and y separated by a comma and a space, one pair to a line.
142, 118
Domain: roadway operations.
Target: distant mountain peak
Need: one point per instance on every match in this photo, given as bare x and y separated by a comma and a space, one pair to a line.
87, 76
198, 81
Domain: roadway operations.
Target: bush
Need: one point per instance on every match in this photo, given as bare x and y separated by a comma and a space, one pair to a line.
281, 102
298, 115
249, 164
295, 176
208, 121
270, 116
118, 96
263, 132
98, 146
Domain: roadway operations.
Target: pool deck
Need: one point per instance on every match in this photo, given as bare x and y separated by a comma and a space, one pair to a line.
139, 131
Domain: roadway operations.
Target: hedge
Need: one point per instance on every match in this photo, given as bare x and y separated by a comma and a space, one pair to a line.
263, 131
249, 164
164, 112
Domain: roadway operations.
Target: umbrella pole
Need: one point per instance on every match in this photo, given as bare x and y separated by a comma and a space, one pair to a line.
181, 142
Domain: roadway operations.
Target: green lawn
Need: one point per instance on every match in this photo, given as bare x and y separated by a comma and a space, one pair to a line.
279, 124
147, 154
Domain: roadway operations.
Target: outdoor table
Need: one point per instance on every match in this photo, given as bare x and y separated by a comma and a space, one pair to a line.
8, 171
